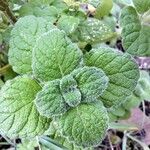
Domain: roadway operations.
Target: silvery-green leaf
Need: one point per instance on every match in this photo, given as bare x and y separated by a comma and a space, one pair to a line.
94, 30
49, 13
68, 23
85, 125
92, 82
22, 41
70, 91
142, 5
50, 101
55, 56
136, 36
121, 69
18, 113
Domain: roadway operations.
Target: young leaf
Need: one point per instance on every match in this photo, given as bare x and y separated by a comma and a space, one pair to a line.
18, 113
136, 37
55, 56
92, 82
50, 101
94, 30
121, 70
85, 125
104, 7
142, 5
68, 23
70, 91
23, 37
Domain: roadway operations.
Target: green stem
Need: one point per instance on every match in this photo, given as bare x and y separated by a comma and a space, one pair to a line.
4, 69
122, 127
124, 141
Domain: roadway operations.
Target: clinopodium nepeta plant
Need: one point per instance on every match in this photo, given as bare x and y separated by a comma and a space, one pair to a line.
60, 84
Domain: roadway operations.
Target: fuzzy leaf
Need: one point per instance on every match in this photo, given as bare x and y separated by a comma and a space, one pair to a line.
142, 5
50, 101
92, 82
23, 37
121, 70
49, 13
18, 113
136, 37
69, 90
66, 143
94, 30
68, 23
55, 56
104, 7
85, 125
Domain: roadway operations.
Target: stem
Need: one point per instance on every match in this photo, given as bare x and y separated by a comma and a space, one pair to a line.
10, 15
5, 8
124, 141
145, 147
122, 127
110, 143
38, 143
4, 69
8, 140
143, 119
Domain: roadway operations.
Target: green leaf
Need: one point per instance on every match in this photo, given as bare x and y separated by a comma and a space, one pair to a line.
120, 111
70, 91
112, 117
92, 82
50, 101
136, 37
42, 1
85, 125
121, 69
103, 9
132, 101
23, 37
94, 30
93, 2
68, 23
50, 144
18, 113
69, 145
142, 5
55, 56
49, 13
60, 5
143, 88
